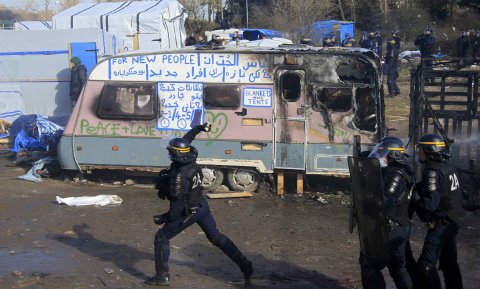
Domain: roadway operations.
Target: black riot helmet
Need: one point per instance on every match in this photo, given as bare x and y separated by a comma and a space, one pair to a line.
434, 146
389, 148
180, 150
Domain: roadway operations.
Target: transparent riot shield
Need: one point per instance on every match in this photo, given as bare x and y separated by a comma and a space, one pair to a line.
369, 208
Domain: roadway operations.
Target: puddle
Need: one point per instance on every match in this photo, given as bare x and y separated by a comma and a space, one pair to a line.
35, 260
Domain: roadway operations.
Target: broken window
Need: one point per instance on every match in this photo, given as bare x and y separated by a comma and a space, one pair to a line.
336, 99
291, 86
222, 96
355, 70
365, 114
127, 101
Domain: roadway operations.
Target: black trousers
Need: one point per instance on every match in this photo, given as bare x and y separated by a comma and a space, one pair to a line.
372, 277
203, 217
441, 246
392, 76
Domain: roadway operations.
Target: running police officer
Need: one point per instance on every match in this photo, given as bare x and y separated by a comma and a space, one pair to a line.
398, 183
440, 208
180, 184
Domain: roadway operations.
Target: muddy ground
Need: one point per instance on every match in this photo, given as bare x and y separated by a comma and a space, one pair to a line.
294, 241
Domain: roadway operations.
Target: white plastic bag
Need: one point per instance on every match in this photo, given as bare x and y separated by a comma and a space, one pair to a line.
100, 200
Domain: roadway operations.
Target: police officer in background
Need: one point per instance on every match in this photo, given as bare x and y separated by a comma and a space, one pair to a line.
426, 45
463, 43
181, 185
348, 41
391, 65
440, 208
398, 182
396, 36
476, 44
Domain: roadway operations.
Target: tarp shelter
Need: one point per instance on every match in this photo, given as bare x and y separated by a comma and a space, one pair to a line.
144, 25
339, 28
256, 34
33, 25
34, 72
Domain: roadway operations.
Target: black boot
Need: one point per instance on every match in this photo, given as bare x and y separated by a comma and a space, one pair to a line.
160, 279
247, 270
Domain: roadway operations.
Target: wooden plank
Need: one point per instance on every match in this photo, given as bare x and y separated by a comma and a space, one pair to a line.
229, 195
280, 184
300, 184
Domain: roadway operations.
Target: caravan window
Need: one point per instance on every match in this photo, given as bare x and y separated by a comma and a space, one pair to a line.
332, 98
291, 86
221, 96
129, 101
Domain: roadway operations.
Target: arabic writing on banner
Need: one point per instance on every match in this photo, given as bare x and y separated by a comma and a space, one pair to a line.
257, 97
192, 67
180, 105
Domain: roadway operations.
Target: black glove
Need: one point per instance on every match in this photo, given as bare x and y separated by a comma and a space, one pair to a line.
160, 219
206, 126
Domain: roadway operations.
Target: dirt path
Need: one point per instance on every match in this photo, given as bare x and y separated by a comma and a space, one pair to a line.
294, 242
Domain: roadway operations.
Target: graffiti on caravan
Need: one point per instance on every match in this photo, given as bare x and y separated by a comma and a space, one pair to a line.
180, 105
192, 67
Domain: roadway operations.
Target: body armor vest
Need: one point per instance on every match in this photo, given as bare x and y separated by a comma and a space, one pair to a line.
451, 198
400, 211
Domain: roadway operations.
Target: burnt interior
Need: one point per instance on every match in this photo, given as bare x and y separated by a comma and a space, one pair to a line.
221, 96
291, 86
128, 101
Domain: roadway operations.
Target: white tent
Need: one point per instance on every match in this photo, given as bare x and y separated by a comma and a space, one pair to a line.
144, 21
33, 25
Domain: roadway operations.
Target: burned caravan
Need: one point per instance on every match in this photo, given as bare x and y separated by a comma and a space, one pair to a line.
272, 109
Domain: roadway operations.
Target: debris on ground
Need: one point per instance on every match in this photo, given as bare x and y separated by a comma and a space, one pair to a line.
100, 200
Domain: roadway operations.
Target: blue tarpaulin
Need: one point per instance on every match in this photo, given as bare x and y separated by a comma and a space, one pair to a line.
255, 34
34, 132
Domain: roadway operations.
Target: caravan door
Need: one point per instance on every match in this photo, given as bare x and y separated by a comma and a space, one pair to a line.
290, 119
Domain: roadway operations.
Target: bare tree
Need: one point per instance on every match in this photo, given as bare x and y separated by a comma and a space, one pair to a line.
68, 3
295, 17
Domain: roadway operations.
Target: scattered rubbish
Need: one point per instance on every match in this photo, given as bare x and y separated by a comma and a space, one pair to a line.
100, 200
70, 233
17, 273
322, 200
221, 188
129, 182
117, 183
40, 274
108, 270
34, 174
229, 195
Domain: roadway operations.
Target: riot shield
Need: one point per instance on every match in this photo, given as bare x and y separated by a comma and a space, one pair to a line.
367, 199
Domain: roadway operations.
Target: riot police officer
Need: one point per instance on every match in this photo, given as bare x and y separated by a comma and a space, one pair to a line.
440, 208
476, 44
348, 41
180, 184
426, 44
463, 43
398, 183
391, 65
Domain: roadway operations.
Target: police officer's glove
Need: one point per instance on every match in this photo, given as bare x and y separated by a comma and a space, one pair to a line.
206, 127
160, 219
432, 224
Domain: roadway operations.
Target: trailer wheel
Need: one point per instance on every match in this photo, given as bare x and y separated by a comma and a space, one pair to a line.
212, 178
243, 180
